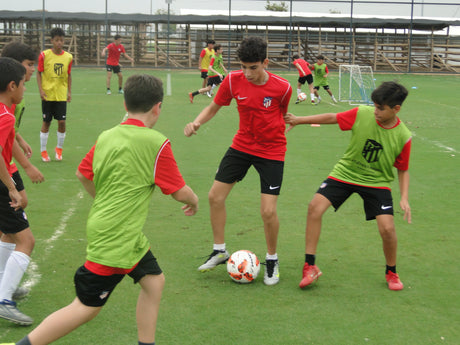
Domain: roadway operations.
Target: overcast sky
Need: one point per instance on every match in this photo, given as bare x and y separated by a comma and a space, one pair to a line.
148, 6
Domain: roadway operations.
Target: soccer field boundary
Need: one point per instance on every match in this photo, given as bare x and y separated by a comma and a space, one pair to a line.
435, 143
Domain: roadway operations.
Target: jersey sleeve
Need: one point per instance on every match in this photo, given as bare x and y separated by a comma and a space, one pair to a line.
6, 126
167, 174
402, 161
86, 165
347, 119
224, 95
203, 53
285, 101
326, 70
41, 62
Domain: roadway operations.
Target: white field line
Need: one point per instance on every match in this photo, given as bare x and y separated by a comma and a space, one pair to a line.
437, 143
33, 272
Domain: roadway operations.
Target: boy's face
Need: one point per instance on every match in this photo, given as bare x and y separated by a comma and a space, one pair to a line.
254, 71
118, 42
320, 61
18, 91
30, 68
219, 51
385, 115
57, 42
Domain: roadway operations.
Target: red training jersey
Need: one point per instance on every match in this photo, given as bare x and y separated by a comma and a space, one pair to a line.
7, 136
114, 52
302, 67
261, 109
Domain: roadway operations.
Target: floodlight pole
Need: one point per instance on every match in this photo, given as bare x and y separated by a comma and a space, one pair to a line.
229, 32
410, 36
43, 26
290, 35
167, 57
351, 33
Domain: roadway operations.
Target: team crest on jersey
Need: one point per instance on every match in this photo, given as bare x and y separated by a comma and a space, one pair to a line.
58, 68
371, 151
267, 101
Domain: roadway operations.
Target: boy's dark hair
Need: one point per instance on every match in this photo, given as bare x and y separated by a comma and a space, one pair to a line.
10, 70
217, 47
57, 32
142, 92
19, 51
320, 57
295, 56
210, 42
389, 93
252, 49
116, 37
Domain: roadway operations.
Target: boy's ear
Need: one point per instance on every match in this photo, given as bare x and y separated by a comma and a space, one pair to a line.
397, 108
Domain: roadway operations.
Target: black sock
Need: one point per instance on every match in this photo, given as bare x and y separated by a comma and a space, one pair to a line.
141, 343
195, 93
310, 259
390, 268
24, 341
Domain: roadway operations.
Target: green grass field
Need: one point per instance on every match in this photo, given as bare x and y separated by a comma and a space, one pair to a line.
349, 305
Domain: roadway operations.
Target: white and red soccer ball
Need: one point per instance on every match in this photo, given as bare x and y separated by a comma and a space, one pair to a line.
243, 266
302, 96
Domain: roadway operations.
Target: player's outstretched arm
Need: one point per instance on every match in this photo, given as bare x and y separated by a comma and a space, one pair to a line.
403, 177
205, 115
292, 120
186, 196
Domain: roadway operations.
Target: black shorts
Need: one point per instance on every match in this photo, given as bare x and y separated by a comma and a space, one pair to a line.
235, 165
204, 74
215, 80
54, 109
325, 87
377, 201
115, 69
94, 290
308, 78
11, 221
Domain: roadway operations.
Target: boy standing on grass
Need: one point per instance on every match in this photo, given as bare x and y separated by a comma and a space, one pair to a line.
21, 153
262, 99
204, 60
321, 73
120, 173
13, 220
215, 77
55, 84
379, 142
115, 49
304, 76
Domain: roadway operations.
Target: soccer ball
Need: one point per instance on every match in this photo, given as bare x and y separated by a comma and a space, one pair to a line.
302, 96
243, 266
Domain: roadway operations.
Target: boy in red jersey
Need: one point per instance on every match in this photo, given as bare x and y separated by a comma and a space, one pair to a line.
304, 76
379, 142
55, 84
13, 220
262, 99
115, 49
120, 172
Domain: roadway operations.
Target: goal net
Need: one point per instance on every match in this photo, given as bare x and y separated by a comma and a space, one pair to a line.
356, 84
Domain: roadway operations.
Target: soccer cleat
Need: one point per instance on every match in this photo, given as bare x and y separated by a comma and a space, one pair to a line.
318, 100
310, 274
313, 102
334, 100
58, 153
217, 257
20, 292
272, 272
8, 311
121, 92
297, 101
45, 157
109, 92
393, 281
209, 94
190, 97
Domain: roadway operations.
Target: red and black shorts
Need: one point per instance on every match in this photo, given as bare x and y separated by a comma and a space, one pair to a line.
308, 78
54, 109
111, 68
11, 221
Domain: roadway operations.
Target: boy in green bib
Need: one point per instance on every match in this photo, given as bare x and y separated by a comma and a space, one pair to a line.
379, 142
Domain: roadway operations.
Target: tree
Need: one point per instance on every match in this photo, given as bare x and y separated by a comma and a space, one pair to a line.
281, 7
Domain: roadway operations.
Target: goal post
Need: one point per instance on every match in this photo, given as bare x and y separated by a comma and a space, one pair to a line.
356, 84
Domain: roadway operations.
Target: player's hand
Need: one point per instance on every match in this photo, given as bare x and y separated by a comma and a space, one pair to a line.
291, 120
16, 200
26, 149
69, 97
191, 128
34, 174
43, 95
190, 210
404, 204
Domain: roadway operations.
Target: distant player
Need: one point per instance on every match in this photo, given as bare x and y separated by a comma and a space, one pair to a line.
205, 59
320, 79
55, 85
379, 143
262, 99
215, 76
115, 49
304, 76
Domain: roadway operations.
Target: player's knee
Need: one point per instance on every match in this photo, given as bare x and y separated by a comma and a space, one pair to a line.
268, 213
315, 210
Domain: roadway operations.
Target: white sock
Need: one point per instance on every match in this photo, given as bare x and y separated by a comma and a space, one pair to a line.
312, 96
220, 247
14, 270
271, 257
6, 249
60, 139
43, 141
299, 91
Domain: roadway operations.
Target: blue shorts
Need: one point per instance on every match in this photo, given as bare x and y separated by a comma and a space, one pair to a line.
377, 201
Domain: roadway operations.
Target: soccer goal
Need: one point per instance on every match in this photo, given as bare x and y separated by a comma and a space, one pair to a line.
356, 84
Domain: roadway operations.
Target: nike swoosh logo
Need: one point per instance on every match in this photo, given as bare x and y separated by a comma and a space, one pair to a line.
386, 207
241, 98
271, 187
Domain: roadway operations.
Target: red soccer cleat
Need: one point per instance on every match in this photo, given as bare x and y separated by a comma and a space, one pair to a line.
310, 274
